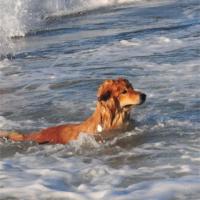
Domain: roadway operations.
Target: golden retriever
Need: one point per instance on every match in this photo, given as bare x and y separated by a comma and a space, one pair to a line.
115, 98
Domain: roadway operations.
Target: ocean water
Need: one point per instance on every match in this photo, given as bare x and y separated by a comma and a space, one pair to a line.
53, 56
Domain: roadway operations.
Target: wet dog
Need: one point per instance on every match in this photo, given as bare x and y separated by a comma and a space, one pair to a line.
115, 98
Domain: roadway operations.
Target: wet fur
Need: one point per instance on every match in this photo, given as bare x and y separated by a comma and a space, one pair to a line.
115, 98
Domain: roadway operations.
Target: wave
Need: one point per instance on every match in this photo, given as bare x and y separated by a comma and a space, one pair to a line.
19, 17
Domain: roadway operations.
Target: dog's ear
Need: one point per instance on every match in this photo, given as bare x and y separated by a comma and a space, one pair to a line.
105, 91
104, 96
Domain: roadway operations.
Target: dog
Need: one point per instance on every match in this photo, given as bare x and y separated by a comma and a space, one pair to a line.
115, 99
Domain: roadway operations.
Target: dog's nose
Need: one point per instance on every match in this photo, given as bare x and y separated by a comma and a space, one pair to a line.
143, 97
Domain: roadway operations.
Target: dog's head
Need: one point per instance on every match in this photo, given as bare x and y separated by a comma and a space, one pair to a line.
121, 92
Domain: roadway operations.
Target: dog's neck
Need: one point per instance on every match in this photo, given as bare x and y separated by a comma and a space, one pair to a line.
106, 118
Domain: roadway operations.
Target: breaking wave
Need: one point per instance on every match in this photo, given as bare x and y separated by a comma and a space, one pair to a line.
19, 17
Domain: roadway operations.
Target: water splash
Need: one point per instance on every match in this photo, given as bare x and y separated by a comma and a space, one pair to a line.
19, 17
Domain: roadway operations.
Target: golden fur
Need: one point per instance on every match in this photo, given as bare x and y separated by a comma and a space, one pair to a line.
115, 98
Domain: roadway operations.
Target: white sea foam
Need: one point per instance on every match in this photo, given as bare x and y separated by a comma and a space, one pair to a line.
130, 43
72, 178
18, 17
84, 141
153, 44
5, 64
57, 171
6, 124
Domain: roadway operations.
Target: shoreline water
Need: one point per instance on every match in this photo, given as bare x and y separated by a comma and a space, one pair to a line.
51, 77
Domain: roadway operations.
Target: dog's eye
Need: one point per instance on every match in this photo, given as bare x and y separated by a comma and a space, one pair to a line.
124, 91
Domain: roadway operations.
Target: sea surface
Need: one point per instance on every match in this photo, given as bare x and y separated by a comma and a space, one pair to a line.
53, 56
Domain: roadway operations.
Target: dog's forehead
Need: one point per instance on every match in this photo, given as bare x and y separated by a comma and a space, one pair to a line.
118, 83
123, 82
114, 85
